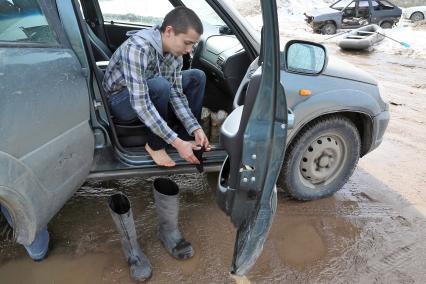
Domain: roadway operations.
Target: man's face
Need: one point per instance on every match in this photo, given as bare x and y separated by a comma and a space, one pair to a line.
182, 43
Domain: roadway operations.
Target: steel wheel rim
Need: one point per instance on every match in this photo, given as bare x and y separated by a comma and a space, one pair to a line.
322, 160
329, 29
386, 25
417, 17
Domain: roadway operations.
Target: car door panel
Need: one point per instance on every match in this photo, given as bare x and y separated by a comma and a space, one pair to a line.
46, 142
254, 137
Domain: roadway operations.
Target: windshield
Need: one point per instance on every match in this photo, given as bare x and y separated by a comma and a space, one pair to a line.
248, 16
204, 11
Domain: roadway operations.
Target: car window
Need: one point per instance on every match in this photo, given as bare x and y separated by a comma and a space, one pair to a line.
141, 12
204, 11
23, 21
342, 4
363, 3
385, 5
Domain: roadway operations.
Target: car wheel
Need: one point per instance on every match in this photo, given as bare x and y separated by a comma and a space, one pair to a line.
386, 25
321, 159
6, 231
417, 16
328, 29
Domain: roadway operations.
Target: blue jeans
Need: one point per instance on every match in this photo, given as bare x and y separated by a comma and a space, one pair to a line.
193, 83
37, 250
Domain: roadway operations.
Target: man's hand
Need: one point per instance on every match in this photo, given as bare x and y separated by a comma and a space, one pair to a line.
201, 139
184, 149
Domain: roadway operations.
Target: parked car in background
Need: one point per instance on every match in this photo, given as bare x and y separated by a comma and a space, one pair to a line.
350, 14
415, 14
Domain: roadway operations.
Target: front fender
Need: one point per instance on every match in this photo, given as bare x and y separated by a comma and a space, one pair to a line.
323, 19
332, 102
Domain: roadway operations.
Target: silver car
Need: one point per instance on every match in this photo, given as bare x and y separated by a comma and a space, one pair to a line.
415, 14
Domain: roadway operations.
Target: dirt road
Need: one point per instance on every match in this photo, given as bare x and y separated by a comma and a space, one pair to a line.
372, 231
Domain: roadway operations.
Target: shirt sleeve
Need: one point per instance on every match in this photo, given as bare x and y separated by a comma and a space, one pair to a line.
134, 64
180, 103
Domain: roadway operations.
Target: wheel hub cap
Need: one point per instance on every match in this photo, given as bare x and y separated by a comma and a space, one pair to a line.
322, 159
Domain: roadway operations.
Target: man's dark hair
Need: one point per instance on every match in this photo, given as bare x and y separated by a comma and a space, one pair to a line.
181, 19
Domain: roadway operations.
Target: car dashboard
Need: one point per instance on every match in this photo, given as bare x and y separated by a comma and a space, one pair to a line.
224, 60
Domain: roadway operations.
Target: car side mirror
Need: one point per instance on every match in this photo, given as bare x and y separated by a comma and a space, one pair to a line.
305, 57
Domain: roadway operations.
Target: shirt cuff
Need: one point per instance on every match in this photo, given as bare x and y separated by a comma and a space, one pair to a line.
193, 128
170, 138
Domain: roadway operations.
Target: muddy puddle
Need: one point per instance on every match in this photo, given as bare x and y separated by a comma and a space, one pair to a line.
356, 236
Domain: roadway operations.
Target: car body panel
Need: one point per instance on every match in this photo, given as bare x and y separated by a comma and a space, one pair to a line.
46, 142
341, 69
341, 88
326, 14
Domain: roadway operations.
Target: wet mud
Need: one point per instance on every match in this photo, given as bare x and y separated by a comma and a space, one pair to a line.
372, 231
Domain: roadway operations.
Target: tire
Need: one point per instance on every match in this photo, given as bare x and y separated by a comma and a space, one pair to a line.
386, 25
321, 159
6, 231
417, 16
328, 29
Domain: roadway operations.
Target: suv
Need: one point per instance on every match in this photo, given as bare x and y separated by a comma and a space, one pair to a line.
56, 130
350, 14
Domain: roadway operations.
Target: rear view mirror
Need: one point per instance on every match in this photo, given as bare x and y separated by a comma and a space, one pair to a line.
305, 57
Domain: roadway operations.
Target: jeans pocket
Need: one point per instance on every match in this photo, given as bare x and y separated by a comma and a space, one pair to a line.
118, 98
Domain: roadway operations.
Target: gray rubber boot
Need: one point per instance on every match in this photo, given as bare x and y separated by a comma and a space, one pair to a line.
166, 195
119, 207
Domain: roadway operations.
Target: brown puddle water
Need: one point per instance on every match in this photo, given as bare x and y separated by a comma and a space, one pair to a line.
346, 238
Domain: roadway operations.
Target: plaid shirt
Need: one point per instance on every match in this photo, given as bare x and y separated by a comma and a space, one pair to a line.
131, 65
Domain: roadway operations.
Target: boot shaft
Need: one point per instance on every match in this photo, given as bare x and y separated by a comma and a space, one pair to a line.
166, 195
121, 213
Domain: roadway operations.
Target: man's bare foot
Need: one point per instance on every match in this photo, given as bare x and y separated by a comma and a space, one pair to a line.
160, 157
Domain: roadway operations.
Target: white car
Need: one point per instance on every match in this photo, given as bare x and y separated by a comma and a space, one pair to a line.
415, 14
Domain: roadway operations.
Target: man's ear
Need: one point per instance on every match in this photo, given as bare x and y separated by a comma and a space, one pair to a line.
168, 31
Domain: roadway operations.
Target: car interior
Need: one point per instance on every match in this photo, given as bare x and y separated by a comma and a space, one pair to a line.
357, 13
219, 53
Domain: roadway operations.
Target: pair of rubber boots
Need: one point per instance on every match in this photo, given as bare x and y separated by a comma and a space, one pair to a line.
166, 195
38, 249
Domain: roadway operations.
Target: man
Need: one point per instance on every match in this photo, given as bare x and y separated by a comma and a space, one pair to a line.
144, 79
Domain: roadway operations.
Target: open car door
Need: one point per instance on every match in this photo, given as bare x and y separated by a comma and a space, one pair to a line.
254, 136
